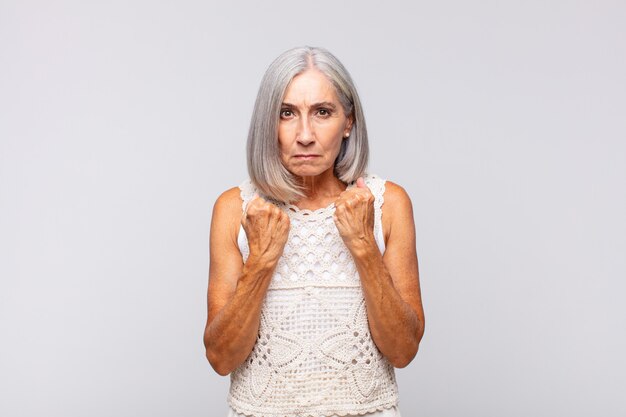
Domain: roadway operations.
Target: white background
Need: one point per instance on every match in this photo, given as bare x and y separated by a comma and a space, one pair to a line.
122, 121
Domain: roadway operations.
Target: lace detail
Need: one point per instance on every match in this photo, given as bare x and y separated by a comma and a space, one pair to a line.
314, 354
247, 191
377, 188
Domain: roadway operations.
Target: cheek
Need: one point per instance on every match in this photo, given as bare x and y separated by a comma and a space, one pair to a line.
281, 143
335, 137
283, 136
338, 148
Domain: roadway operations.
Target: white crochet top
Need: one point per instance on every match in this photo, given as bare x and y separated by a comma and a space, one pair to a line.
314, 355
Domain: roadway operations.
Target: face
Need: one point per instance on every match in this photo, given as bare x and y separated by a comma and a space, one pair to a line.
312, 125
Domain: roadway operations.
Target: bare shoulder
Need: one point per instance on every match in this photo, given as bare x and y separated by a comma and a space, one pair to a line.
397, 208
396, 195
227, 212
229, 200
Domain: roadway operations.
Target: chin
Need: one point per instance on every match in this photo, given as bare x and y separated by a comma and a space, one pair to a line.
307, 171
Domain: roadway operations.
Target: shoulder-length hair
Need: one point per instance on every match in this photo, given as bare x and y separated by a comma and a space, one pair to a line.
265, 168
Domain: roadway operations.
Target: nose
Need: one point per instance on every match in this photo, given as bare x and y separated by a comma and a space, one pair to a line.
305, 132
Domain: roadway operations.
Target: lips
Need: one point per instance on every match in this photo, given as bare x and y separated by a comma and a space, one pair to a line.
305, 156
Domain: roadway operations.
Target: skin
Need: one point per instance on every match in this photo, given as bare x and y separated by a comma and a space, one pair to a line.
313, 122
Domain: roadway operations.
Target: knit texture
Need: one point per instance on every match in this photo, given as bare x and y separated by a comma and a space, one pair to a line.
314, 355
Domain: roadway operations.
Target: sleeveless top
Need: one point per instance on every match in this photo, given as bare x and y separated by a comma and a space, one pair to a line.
314, 354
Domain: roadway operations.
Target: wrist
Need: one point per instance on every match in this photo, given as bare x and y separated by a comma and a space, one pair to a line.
259, 264
363, 247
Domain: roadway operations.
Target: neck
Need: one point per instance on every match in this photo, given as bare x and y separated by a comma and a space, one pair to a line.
324, 185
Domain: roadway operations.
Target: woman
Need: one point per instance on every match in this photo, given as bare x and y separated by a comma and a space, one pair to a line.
314, 292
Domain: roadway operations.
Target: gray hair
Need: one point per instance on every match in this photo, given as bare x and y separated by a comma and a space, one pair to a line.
263, 151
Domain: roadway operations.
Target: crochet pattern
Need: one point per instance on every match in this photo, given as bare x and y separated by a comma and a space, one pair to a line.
314, 354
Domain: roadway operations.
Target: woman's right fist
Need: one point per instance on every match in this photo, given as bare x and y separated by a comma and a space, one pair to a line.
267, 229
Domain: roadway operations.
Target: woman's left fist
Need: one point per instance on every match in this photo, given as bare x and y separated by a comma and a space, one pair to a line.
354, 216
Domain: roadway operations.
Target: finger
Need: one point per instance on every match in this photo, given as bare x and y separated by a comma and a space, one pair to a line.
360, 182
274, 212
244, 215
252, 200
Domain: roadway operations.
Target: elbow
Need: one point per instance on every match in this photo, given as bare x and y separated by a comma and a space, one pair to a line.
217, 363
411, 346
403, 359
402, 364
215, 358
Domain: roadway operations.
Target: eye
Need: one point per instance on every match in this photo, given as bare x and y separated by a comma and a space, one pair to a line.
323, 112
285, 113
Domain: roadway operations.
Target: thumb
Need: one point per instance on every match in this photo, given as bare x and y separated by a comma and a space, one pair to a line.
254, 197
360, 182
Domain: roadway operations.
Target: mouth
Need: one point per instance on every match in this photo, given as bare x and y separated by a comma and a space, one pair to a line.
305, 156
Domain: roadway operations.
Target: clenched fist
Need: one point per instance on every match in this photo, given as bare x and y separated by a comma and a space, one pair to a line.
354, 216
267, 229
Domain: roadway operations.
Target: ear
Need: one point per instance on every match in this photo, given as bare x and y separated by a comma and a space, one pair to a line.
348, 125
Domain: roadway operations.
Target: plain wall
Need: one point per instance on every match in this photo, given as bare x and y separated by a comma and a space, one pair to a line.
122, 121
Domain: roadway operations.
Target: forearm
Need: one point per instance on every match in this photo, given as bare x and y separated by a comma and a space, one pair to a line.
230, 337
394, 325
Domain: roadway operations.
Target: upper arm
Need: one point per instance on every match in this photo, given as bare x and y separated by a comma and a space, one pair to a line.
225, 260
400, 257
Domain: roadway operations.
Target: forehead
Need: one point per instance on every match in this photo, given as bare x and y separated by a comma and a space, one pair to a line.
311, 86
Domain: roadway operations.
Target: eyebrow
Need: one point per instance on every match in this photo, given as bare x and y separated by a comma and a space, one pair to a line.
321, 104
